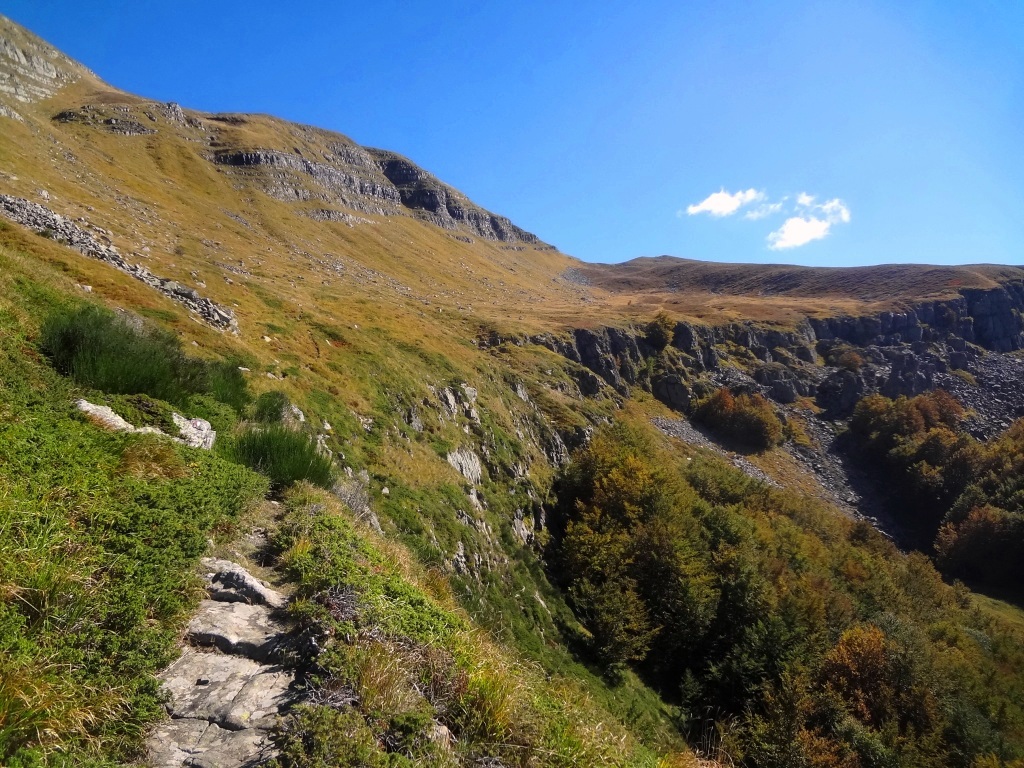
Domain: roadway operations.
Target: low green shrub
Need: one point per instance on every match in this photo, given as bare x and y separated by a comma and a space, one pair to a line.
283, 455
123, 356
100, 350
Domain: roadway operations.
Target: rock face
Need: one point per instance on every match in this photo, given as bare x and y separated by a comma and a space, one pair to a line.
442, 205
222, 702
905, 353
468, 464
42, 220
989, 317
366, 180
30, 70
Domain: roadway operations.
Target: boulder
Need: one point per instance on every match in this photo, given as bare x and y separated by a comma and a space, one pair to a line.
839, 393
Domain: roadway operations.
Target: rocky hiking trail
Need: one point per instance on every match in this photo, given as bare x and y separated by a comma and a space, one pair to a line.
227, 688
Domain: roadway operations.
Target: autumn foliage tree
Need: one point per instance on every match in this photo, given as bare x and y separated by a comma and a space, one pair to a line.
740, 603
970, 495
746, 419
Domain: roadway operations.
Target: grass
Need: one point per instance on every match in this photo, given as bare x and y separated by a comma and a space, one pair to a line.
99, 534
269, 407
284, 455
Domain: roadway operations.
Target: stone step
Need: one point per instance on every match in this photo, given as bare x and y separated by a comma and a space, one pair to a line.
239, 629
231, 692
230, 583
188, 743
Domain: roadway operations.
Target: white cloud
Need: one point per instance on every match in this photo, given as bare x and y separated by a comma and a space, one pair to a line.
765, 210
835, 210
723, 203
797, 231
814, 222
806, 220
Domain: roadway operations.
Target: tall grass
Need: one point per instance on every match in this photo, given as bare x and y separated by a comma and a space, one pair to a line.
119, 355
283, 455
269, 407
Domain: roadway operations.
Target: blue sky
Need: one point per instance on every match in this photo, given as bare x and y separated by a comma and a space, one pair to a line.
825, 133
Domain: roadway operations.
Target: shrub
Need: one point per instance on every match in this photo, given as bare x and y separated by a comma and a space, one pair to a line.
850, 360
321, 737
121, 355
747, 419
100, 350
660, 331
283, 455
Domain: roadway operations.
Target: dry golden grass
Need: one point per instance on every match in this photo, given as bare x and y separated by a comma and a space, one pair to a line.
152, 457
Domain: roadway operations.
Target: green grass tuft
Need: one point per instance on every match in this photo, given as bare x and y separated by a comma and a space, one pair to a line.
283, 455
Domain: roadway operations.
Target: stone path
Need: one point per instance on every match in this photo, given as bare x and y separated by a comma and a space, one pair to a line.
225, 691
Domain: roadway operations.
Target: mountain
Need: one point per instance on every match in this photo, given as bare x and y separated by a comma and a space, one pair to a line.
519, 509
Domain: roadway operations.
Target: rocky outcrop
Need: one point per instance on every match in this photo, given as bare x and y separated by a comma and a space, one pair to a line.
904, 352
839, 393
349, 177
467, 463
989, 317
442, 205
195, 433
223, 704
43, 221
369, 181
31, 70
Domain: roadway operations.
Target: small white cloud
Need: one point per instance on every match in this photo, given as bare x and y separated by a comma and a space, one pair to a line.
723, 203
815, 223
835, 210
765, 210
797, 231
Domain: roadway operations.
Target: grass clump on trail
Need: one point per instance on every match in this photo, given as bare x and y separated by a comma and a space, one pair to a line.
284, 455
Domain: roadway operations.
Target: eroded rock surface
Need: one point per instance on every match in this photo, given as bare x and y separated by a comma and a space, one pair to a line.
223, 694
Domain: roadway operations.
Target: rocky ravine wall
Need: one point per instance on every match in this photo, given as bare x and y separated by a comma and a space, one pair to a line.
904, 353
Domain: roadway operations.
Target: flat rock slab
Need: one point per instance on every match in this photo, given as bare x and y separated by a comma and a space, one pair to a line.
188, 743
229, 691
236, 628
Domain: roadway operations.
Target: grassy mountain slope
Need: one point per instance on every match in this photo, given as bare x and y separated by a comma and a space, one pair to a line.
369, 294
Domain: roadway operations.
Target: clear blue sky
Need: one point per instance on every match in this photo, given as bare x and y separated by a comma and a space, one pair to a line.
606, 128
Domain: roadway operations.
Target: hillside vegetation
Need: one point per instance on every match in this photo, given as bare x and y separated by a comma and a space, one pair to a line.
438, 430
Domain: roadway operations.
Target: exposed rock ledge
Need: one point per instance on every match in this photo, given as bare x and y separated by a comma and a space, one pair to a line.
42, 220
195, 433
